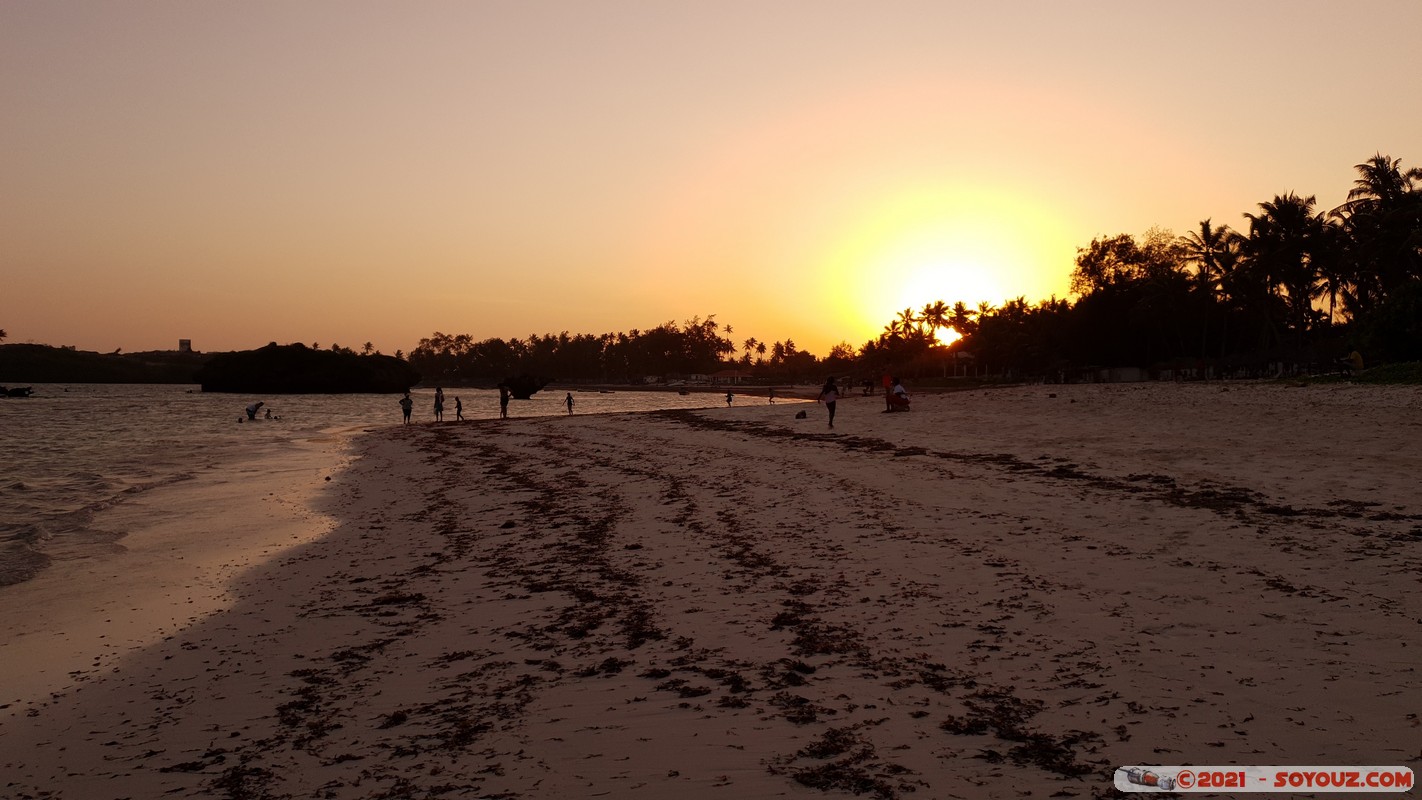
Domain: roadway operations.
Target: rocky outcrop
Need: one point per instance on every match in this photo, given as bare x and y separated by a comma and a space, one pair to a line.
297, 369
38, 363
523, 386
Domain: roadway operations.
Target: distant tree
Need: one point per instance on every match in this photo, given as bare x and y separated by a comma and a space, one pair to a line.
367, 348
1105, 263
400, 354
3, 334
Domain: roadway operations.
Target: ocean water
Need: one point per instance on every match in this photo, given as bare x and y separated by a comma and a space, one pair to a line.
72, 450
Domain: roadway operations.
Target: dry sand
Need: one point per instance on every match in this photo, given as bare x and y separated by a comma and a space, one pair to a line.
1000, 593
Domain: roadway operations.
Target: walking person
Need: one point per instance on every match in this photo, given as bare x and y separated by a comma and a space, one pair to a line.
458, 409
406, 405
568, 401
830, 395
729, 398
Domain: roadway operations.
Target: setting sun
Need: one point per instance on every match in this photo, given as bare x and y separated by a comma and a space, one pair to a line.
947, 336
968, 243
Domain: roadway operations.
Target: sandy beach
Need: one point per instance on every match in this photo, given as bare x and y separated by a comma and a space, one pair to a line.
1002, 593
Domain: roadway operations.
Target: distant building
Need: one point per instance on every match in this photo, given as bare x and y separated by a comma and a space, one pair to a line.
185, 345
730, 376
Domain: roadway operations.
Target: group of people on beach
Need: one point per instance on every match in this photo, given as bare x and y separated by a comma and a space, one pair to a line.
407, 405
896, 397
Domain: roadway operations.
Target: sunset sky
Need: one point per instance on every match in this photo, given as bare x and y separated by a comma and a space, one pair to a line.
244, 172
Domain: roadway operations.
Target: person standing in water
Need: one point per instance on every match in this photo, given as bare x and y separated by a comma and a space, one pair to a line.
439, 404
729, 397
406, 404
830, 395
568, 401
503, 401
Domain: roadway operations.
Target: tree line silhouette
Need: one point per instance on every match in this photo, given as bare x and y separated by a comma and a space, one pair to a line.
1294, 284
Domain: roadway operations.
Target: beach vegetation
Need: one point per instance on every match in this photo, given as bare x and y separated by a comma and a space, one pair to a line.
1294, 290
1291, 291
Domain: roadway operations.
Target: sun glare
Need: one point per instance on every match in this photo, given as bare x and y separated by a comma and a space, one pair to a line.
956, 244
947, 336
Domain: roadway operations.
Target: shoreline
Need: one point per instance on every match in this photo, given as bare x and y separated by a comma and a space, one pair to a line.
155, 563
735, 601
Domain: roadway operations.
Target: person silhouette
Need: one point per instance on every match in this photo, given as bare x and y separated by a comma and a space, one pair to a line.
503, 401
729, 397
406, 404
568, 401
829, 394
458, 409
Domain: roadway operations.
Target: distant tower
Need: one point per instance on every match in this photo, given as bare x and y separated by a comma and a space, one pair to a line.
185, 345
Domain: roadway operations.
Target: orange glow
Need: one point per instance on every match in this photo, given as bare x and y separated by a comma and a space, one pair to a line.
968, 243
947, 336
797, 170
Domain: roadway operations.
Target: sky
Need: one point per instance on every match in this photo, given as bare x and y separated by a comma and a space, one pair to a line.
237, 173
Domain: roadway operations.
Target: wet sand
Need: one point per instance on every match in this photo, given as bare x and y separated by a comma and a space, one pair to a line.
999, 593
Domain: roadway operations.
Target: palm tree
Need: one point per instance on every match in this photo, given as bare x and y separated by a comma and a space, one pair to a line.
1206, 249
1281, 241
1382, 219
367, 348
760, 352
749, 345
907, 321
1382, 180
961, 319
1203, 248
934, 316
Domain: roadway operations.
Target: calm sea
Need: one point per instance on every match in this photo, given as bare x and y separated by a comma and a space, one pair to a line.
72, 450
